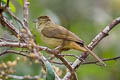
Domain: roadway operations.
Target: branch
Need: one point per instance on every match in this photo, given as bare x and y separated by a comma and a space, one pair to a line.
7, 5
15, 17
77, 57
0, 3
14, 52
7, 40
13, 44
25, 8
9, 26
108, 59
93, 43
90, 62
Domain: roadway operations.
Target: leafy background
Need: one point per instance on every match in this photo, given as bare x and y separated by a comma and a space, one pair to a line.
86, 18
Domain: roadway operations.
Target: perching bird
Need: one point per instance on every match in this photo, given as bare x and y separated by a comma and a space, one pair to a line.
57, 36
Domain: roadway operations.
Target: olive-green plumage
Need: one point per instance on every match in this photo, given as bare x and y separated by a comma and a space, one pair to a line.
54, 35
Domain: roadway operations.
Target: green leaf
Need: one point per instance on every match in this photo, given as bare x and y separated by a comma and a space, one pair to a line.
49, 70
11, 6
20, 2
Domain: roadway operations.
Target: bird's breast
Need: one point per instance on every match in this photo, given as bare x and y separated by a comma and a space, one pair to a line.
52, 42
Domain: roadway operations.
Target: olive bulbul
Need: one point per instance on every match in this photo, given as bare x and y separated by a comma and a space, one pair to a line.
57, 36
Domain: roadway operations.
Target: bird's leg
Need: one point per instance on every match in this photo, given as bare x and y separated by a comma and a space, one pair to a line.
58, 48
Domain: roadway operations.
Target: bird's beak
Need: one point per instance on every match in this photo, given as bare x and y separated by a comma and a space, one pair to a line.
35, 21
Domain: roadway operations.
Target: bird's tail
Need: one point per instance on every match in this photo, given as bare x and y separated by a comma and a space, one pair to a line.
95, 56
84, 48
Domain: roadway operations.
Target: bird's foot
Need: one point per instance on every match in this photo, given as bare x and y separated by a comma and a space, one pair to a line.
56, 50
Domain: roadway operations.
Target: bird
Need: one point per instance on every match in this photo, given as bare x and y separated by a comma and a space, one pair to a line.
61, 38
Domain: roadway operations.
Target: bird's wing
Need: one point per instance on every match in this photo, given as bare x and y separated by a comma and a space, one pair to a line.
60, 32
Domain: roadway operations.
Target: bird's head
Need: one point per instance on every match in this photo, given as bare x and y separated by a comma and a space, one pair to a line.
42, 19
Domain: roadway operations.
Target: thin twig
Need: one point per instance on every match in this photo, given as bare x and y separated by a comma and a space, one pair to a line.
7, 40
0, 3
90, 62
108, 59
25, 8
7, 5
14, 52
9, 26
69, 55
72, 55
15, 17
13, 44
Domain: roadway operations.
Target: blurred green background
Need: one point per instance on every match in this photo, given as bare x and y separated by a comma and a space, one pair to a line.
86, 18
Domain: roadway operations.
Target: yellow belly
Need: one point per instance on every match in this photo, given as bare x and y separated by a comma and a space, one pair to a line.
52, 42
